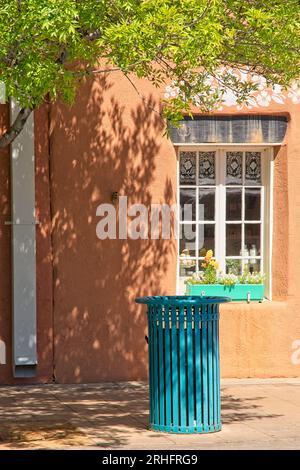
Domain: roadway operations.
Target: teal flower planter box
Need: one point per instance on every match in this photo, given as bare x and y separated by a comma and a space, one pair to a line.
246, 292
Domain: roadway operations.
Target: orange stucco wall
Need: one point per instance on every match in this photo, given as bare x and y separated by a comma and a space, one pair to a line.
89, 327
109, 141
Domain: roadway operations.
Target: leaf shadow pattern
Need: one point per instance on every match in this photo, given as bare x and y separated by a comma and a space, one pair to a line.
237, 410
102, 415
97, 147
106, 415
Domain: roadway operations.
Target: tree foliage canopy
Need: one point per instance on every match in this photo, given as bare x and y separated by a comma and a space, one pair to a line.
48, 46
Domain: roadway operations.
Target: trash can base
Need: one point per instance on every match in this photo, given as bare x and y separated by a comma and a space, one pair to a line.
186, 429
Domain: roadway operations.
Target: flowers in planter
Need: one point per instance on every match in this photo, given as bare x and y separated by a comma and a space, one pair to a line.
210, 275
252, 278
228, 279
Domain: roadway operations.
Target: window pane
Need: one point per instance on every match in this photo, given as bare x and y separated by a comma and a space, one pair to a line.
253, 265
188, 204
206, 204
234, 266
234, 163
206, 168
187, 266
233, 204
253, 168
233, 239
252, 237
206, 238
188, 168
187, 245
252, 204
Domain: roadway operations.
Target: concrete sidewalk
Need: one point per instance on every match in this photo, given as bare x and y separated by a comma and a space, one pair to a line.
256, 414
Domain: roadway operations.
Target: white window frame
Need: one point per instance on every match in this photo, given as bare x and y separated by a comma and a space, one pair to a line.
267, 169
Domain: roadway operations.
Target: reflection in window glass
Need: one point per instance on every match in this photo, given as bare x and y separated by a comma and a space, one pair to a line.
206, 238
253, 265
188, 204
233, 204
234, 266
252, 203
206, 204
252, 237
233, 239
187, 266
187, 245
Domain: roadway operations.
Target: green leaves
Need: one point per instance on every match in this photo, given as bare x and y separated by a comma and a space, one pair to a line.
47, 46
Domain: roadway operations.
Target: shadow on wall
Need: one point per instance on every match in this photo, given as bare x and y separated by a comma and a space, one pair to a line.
97, 147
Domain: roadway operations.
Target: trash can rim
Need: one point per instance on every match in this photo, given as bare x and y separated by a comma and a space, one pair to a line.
181, 300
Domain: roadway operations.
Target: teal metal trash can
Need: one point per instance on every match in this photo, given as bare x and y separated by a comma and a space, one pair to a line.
184, 370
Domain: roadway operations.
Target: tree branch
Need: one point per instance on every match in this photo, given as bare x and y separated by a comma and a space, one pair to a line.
16, 128
142, 97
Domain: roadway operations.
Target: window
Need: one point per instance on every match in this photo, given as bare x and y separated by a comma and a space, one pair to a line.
223, 207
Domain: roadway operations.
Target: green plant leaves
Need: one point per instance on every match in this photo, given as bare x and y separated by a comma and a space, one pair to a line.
48, 46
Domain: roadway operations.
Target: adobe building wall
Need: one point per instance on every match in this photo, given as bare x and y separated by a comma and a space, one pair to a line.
112, 142
89, 327
108, 141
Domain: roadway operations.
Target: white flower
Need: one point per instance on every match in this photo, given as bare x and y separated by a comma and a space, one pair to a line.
263, 99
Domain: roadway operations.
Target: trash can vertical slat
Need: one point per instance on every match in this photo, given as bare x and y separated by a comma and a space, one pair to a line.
218, 374
213, 421
167, 370
175, 398
210, 367
184, 373
151, 362
204, 369
182, 369
190, 368
155, 368
198, 370
161, 368
215, 365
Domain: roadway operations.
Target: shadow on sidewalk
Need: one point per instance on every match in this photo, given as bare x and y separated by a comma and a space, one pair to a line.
104, 415
239, 410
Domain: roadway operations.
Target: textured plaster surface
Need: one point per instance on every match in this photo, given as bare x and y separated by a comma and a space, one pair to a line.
89, 327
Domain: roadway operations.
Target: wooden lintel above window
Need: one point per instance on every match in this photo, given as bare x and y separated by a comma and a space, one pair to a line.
242, 129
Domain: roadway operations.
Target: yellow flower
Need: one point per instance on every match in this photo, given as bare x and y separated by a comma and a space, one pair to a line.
209, 254
214, 264
203, 265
